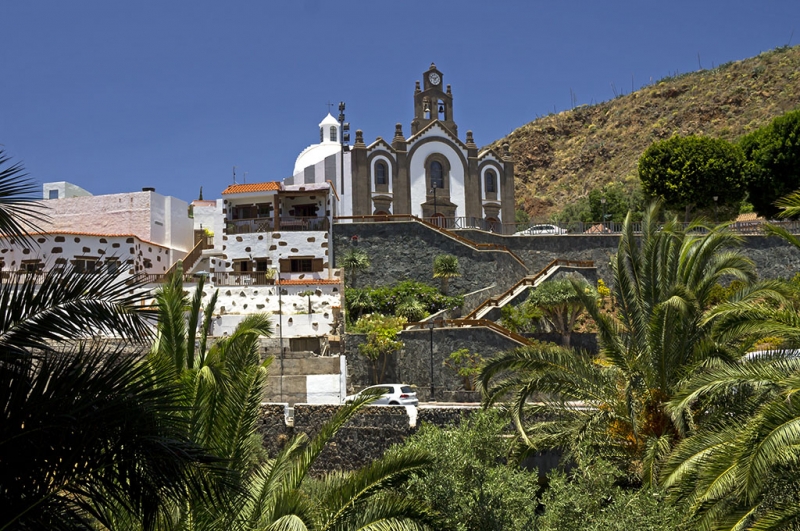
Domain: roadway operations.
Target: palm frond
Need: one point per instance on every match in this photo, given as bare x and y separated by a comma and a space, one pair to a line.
21, 211
68, 305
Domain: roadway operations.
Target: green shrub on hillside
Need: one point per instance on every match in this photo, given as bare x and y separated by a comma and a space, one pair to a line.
388, 300
689, 172
774, 156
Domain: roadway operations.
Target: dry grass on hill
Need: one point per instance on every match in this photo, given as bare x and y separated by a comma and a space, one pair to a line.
563, 156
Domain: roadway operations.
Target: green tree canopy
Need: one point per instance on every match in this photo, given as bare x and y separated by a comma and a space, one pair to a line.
561, 304
688, 172
774, 155
354, 262
383, 333
445, 267
664, 279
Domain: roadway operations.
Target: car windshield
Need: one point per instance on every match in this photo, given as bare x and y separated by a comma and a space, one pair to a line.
406, 389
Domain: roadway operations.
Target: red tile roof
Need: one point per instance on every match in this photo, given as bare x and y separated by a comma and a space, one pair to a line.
255, 187
93, 234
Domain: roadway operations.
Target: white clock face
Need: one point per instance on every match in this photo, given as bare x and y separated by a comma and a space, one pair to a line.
434, 78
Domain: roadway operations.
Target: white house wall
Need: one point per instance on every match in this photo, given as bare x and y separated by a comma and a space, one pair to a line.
142, 214
234, 303
275, 245
324, 389
210, 217
54, 250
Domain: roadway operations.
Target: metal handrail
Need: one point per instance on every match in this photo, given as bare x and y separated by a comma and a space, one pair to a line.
529, 281
461, 323
597, 228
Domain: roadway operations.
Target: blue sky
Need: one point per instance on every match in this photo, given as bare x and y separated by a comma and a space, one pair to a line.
115, 96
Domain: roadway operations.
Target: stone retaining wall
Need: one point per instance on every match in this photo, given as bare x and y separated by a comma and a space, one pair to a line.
365, 438
773, 257
405, 250
412, 365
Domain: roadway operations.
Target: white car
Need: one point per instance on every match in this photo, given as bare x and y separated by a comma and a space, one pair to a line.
393, 395
541, 229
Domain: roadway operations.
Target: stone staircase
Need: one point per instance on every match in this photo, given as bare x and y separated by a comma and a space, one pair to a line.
490, 308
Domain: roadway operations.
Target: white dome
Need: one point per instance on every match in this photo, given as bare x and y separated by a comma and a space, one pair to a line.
318, 152
314, 154
329, 120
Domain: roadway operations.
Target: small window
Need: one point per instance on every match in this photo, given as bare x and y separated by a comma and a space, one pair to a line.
31, 266
380, 174
321, 134
53, 194
112, 265
85, 265
491, 182
301, 265
437, 175
333, 133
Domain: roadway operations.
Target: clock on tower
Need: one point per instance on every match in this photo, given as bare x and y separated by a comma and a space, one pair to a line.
432, 103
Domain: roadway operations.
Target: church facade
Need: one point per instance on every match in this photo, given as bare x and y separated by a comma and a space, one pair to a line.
431, 174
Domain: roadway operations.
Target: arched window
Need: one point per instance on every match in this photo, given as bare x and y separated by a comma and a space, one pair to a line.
490, 179
437, 175
333, 133
380, 174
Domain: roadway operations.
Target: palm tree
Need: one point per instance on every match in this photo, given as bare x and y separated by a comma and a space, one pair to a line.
222, 385
20, 212
354, 262
445, 266
732, 470
560, 304
614, 405
738, 470
85, 427
282, 497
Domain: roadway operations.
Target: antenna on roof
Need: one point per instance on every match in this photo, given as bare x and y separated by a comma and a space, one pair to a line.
244, 178
234, 175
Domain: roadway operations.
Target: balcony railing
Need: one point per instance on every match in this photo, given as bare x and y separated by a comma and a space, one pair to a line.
553, 228
287, 223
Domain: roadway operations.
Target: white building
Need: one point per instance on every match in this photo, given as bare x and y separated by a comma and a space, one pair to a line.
268, 251
134, 233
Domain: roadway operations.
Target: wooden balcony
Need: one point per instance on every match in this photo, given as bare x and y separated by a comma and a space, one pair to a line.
286, 223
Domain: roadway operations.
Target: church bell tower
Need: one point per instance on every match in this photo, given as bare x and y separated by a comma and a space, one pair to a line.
431, 103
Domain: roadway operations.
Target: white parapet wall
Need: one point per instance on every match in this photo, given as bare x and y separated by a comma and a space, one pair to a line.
234, 303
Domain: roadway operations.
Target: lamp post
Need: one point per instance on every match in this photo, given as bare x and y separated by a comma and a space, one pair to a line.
603, 202
431, 324
716, 197
344, 138
280, 325
433, 191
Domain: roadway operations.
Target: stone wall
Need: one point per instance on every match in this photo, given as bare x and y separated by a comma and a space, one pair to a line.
405, 251
365, 438
412, 365
371, 432
773, 257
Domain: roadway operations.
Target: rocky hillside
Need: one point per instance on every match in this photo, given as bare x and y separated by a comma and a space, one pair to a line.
563, 156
